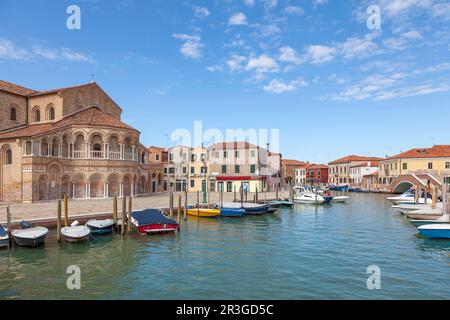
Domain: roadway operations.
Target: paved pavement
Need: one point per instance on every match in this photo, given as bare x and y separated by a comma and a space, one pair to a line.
46, 211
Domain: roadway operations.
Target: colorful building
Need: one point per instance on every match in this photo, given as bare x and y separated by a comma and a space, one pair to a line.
288, 167
317, 174
434, 161
359, 171
339, 170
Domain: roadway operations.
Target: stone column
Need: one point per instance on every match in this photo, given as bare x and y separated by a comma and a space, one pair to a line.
133, 150
106, 147
88, 150
121, 189
121, 151
88, 192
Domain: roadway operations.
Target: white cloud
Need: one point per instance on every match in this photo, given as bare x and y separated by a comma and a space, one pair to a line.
319, 2
249, 3
287, 54
294, 10
201, 12
412, 35
441, 10
394, 8
192, 47
235, 63
262, 64
358, 47
279, 86
237, 19
270, 4
319, 54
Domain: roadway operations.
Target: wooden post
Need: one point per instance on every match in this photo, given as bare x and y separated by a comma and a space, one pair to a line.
66, 210
179, 211
221, 197
198, 204
276, 193
265, 197
8, 222
417, 195
171, 205
130, 209
58, 221
256, 195
124, 214
242, 196
115, 210
434, 198
235, 198
209, 196
185, 204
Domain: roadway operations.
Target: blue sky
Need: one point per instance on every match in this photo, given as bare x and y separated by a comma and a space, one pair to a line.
311, 68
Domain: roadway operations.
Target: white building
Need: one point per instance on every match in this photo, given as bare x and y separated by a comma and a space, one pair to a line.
358, 171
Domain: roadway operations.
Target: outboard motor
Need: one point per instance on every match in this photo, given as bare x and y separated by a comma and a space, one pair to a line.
25, 225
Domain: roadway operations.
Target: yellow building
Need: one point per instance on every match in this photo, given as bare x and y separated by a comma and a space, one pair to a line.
435, 161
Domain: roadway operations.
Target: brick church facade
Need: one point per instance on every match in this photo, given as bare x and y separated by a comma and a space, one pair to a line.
69, 141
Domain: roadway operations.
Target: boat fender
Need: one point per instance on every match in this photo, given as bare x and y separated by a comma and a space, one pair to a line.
75, 223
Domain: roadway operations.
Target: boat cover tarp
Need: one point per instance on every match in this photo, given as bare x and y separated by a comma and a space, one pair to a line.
151, 216
2, 231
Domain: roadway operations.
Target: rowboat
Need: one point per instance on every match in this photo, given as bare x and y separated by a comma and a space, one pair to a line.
442, 220
250, 208
29, 237
339, 199
100, 226
4, 237
232, 212
435, 231
279, 204
152, 221
203, 212
272, 209
75, 233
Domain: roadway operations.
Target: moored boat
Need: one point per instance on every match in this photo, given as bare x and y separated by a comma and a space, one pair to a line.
435, 231
442, 220
203, 212
4, 237
305, 196
250, 208
100, 226
29, 237
279, 204
232, 212
75, 233
340, 199
152, 221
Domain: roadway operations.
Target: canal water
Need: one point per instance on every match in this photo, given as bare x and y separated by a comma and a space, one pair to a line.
306, 252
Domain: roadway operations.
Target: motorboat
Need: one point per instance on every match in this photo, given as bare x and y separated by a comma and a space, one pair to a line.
435, 231
203, 212
442, 220
340, 199
152, 221
75, 233
409, 198
232, 212
100, 226
280, 203
430, 214
29, 236
4, 237
304, 195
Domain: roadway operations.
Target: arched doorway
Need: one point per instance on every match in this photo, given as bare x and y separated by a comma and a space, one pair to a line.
127, 185
43, 187
65, 186
79, 186
113, 185
97, 185
54, 173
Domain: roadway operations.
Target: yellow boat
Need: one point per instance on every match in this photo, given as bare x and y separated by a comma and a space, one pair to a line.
201, 212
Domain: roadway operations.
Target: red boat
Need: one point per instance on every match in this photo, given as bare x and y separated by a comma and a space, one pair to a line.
152, 221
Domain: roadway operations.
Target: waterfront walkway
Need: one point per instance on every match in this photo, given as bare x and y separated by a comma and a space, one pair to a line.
46, 211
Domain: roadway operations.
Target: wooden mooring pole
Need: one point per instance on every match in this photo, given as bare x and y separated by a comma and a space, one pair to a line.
235, 198
171, 205
9, 224
124, 215
66, 210
115, 210
185, 204
58, 221
130, 210
256, 195
179, 211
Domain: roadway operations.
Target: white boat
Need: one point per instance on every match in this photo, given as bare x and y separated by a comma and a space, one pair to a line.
408, 198
442, 220
340, 199
425, 214
435, 231
30, 237
75, 233
4, 237
304, 195
100, 226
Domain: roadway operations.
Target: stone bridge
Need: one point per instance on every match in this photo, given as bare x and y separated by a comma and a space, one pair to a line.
406, 181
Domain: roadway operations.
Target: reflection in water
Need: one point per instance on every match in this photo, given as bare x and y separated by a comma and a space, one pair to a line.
307, 252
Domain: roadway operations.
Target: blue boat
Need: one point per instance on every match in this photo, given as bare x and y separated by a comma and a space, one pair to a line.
4, 238
100, 227
250, 208
279, 204
435, 231
232, 212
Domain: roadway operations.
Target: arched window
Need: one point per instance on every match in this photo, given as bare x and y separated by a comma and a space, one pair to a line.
13, 115
51, 113
8, 157
37, 115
